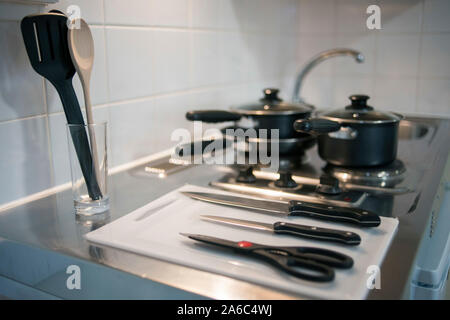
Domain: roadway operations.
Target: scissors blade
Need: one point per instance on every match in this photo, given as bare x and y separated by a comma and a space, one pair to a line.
211, 240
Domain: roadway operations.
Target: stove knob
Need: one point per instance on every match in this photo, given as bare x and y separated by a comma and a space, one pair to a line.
285, 181
328, 185
246, 175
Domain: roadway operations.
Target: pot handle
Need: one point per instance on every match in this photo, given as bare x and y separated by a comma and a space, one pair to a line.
212, 116
316, 126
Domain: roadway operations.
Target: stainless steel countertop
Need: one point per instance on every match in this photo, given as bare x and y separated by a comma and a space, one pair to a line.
50, 223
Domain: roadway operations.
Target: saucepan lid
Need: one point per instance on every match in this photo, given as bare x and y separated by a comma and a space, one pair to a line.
271, 104
358, 111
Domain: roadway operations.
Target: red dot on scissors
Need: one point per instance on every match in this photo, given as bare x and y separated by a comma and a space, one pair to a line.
244, 244
347, 199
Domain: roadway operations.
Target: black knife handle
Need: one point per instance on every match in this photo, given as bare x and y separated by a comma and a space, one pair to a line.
360, 217
315, 233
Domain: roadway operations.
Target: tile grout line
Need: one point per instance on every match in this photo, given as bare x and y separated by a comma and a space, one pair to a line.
419, 57
108, 90
48, 133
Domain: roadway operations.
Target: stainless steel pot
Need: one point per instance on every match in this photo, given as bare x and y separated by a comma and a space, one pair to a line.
270, 112
356, 136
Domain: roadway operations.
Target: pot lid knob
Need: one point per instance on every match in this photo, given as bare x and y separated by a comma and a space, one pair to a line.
271, 94
359, 101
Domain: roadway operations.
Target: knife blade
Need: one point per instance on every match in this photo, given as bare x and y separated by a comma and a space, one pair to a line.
356, 216
297, 230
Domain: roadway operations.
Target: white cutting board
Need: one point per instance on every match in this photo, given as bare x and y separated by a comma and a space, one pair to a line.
153, 230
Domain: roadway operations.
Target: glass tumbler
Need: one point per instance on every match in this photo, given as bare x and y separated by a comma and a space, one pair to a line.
88, 155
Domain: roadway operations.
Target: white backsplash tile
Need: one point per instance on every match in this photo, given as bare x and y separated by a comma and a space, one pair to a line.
18, 98
289, 17
130, 62
396, 94
435, 55
231, 17
170, 12
133, 130
172, 54
401, 15
397, 55
205, 13
24, 161
434, 96
317, 16
136, 12
287, 57
436, 16
205, 63
233, 57
263, 56
99, 81
261, 15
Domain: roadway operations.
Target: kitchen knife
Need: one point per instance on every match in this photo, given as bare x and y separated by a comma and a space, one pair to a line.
360, 217
297, 230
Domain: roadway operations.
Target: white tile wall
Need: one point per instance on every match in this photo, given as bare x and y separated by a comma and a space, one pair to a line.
130, 62
205, 62
436, 16
317, 16
402, 15
157, 59
407, 61
397, 54
24, 160
18, 98
172, 56
435, 53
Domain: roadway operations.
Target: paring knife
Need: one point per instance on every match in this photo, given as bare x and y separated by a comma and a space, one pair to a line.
356, 216
297, 230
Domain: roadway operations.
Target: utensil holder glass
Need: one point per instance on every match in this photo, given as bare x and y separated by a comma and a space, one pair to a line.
89, 167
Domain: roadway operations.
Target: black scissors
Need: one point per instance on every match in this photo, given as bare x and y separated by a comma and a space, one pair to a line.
308, 263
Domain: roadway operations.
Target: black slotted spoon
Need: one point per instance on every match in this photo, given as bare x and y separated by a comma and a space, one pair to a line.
45, 38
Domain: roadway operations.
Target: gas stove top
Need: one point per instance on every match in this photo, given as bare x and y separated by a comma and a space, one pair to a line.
304, 176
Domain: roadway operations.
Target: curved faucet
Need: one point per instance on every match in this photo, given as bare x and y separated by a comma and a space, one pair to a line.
358, 56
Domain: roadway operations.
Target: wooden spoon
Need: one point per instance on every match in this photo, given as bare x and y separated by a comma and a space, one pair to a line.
81, 47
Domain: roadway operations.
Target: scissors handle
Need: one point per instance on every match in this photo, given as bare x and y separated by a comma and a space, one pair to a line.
328, 257
297, 267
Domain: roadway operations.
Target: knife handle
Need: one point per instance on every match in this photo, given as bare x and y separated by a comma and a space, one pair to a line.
315, 233
360, 217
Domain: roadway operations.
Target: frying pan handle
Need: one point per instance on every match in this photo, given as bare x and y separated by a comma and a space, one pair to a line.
193, 147
316, 126
212, 116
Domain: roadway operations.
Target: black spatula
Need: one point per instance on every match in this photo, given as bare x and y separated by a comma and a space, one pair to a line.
45, 37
